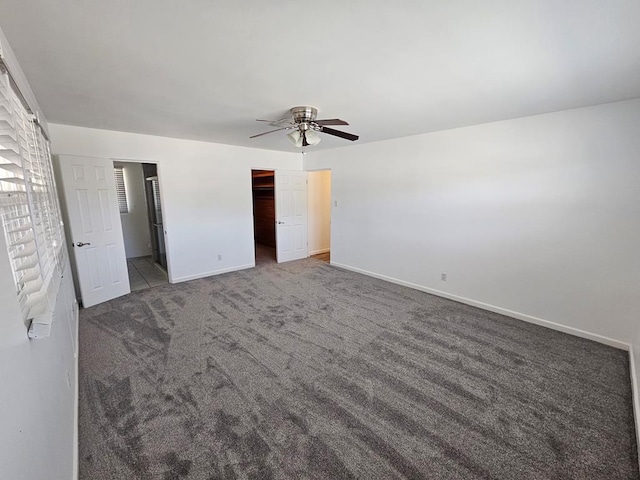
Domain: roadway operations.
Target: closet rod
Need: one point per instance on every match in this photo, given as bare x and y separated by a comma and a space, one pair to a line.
14, 85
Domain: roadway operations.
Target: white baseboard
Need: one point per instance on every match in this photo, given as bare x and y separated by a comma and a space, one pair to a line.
76, 438
635, 395
492, 308
317, 252
213, 272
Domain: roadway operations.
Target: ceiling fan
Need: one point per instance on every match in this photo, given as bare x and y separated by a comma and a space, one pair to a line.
305, 127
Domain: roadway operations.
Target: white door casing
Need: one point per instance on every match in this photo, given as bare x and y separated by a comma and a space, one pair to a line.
291, 215
96, 232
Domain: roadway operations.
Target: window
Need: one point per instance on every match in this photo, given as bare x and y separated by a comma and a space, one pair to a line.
29, 209
121, 191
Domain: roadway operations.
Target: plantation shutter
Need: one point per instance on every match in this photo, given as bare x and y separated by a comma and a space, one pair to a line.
121, 192
29, 209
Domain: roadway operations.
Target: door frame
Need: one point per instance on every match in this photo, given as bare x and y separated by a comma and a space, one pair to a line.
331, 204
163, 203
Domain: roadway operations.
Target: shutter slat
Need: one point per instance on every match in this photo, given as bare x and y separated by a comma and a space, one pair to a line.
11, 167
25, 252
31, 276
16, 180
23, 240
7, 142
32, 288
16, 217
21, 228
5, 114
27, 265
11, 156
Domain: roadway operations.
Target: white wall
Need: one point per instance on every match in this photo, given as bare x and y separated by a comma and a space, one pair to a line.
319, 203
37, 377
206, 192
635, 379
37, 389
135, 224
537, 215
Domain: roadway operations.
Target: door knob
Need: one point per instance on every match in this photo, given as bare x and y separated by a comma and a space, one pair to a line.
280, 223
80, 244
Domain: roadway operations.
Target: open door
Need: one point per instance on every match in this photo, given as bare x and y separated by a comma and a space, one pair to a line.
96, 232
291, 215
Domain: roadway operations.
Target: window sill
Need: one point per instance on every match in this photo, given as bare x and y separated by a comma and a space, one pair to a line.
40, 326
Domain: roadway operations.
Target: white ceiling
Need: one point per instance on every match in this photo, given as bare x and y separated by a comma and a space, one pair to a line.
206, 69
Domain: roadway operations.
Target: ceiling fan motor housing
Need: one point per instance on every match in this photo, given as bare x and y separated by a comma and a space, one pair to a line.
304, 114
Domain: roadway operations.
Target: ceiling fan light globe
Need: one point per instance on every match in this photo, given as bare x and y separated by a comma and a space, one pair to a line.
296, 138
312, 137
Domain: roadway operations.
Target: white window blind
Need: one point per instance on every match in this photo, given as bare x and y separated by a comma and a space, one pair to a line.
121, 191
29, 209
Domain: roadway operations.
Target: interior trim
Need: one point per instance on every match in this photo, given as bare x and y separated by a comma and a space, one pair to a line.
492, 308
186, 278
635, 395
76, 354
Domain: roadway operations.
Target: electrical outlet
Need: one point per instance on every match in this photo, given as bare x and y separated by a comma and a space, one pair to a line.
443, 277
219, 257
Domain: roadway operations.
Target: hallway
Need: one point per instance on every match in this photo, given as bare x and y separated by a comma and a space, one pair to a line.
143, 273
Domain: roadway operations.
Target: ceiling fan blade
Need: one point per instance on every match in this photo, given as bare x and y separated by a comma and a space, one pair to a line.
338, 133
331, 121
270, 131
304, 140
280, 121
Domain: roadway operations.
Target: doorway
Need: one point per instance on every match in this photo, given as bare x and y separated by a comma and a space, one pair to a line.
264, 216
291, 215
319, 205
138, 194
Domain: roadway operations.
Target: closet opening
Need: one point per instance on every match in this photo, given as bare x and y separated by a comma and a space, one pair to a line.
264, 215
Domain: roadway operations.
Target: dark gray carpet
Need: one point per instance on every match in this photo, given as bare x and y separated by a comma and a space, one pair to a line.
306, 371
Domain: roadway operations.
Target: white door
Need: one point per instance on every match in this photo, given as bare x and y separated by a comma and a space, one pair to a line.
96, 232
291, 215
